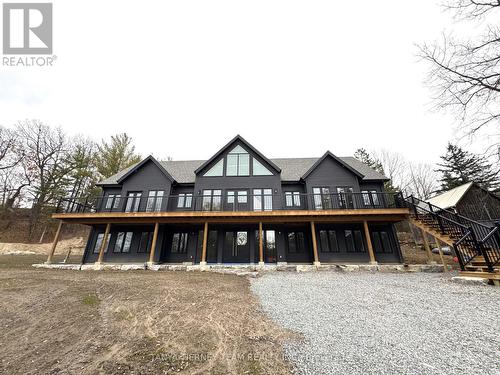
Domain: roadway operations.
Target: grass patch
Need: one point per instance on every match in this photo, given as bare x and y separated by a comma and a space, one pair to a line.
91, 300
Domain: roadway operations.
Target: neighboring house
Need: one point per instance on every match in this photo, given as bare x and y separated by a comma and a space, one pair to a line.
470, 200
241, 207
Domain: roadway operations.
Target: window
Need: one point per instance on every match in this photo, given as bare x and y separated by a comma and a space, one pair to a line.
212, 200
123, 242
238, 162
354, 241
234, 240
328, 241
133, 201
322, 199
145, 242
241, 194
155, 199
370, 198
259, 169
292, 198
113, 201
381, 242
345, 196
179, 243
98, 243
185, 200
262, 199
216, 170
296, 243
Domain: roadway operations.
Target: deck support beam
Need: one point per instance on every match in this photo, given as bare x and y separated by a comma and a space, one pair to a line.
369, 243
315, 244
438, 245
427, 247
54, 243
104, 243
203, 261
261, 246
153, 244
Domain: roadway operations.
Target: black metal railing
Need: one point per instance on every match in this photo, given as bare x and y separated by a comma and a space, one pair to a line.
234, 202
471, 238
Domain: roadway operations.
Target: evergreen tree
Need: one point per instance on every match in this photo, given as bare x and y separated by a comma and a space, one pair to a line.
459, 167
364, 156
116, 155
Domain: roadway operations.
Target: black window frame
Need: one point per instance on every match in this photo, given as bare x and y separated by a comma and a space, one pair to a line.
294, 198
148, 236
155, 201
181, 241
134, 197
183, 199
121, 248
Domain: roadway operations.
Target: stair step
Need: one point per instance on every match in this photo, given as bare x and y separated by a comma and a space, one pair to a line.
485, 275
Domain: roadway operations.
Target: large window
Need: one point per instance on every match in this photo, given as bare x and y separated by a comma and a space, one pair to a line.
322, 198
345, 196
262, 199
133, 201
370, 197
238, 162
145, 242
123, 242
179, 243
381, 242
113, 201
259, 169
155, 200
242, 196
292, 198
296, 242
354, 241
328, 241
98, 243
212, 200
185, 200
217, 170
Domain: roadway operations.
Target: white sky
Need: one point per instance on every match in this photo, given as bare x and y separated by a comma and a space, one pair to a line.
295, 78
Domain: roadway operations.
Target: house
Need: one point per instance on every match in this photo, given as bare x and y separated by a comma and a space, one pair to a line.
470, 200
241, 207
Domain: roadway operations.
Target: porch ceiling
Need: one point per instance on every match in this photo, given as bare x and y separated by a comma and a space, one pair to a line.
387, 215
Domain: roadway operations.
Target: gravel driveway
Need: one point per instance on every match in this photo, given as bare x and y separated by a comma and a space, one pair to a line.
361, 323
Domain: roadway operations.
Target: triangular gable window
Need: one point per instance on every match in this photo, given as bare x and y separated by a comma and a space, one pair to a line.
259, 169
216, 170
238, 150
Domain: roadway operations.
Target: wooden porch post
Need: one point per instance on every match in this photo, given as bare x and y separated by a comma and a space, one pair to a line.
427, 247
204, 248
261, 246
104, 243
153, 243
438, 244
54, 243
315, 246
369, 243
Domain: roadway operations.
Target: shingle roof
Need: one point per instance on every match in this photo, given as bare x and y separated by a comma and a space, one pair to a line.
292, 169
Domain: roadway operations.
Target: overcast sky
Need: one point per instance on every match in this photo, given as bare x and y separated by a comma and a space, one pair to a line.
295, 78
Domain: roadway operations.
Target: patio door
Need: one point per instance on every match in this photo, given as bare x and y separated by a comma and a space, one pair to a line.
236, 248
236, 200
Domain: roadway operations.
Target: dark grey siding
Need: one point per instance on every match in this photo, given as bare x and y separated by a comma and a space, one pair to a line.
329, 173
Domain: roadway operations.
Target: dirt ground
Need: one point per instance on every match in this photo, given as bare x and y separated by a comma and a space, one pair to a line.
87, 322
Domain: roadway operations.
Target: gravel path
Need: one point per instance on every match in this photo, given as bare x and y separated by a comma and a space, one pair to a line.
366, 323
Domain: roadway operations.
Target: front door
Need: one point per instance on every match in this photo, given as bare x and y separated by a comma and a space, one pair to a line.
236, 247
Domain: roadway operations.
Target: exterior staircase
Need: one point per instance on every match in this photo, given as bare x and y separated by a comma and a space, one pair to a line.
476, 246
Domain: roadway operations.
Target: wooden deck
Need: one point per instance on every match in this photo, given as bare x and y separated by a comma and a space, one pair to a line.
288, 216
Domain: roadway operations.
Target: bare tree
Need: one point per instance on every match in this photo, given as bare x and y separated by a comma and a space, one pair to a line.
395, 167
465, 75
423, 180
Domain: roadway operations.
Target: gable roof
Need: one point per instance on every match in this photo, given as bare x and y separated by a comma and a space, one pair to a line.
451, 197
292, 169
121, 176
340, 161
231, 142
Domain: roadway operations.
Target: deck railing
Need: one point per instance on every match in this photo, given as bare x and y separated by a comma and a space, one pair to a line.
237, 202
471, 238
